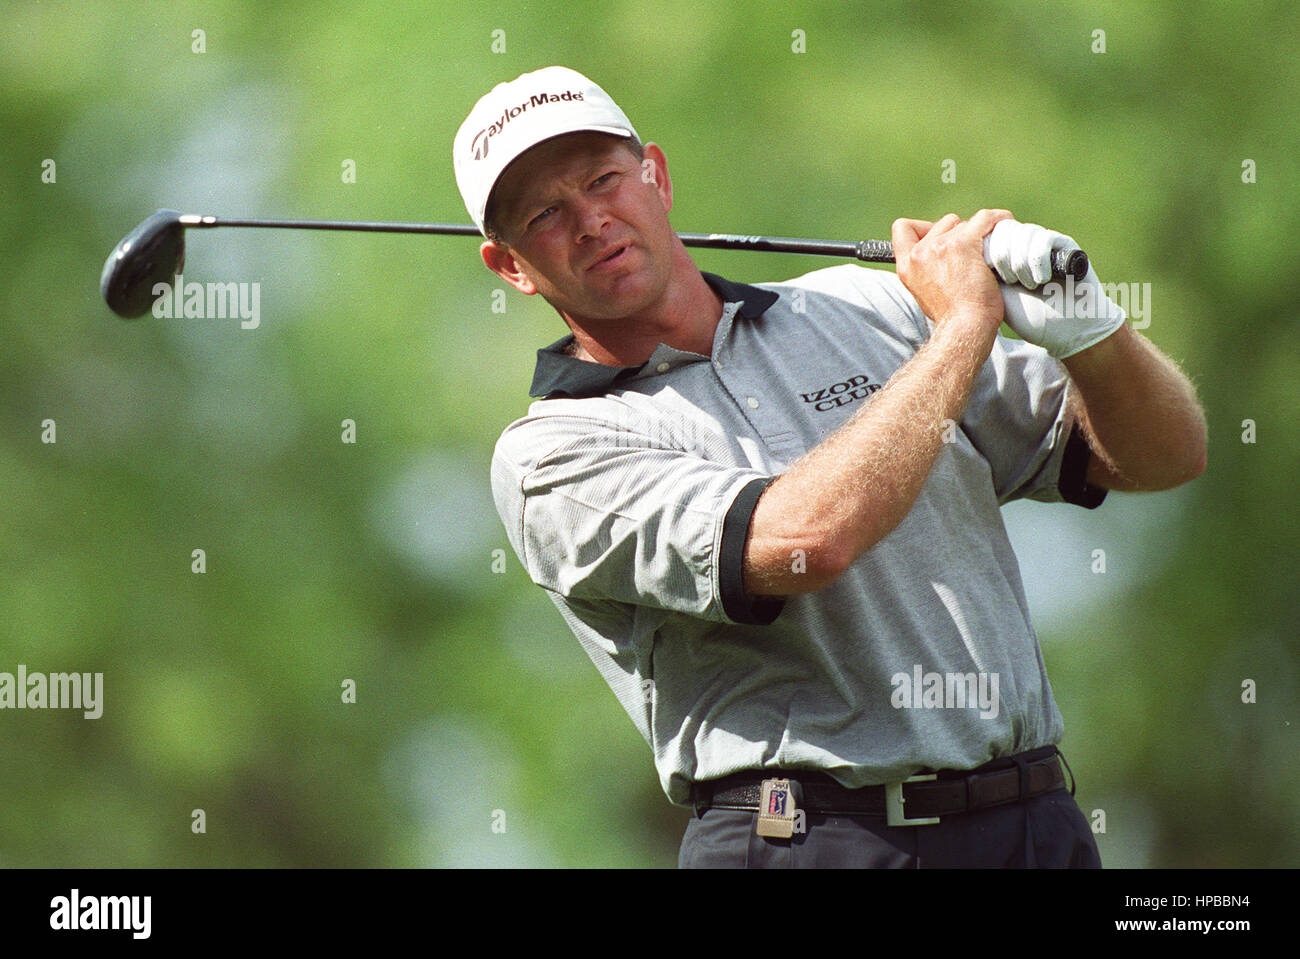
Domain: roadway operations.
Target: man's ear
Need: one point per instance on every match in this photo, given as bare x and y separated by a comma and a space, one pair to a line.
500, 261
654, 169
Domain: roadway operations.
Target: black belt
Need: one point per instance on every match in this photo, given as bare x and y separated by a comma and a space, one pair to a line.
942, 793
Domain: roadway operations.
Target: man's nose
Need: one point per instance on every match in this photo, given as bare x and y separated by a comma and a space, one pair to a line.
590, 217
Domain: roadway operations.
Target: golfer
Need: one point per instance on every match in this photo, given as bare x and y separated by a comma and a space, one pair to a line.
770, 513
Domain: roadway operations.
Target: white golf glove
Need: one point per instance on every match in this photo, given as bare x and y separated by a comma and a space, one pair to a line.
1063, 317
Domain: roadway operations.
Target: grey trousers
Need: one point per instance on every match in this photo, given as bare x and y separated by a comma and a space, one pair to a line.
1045, 832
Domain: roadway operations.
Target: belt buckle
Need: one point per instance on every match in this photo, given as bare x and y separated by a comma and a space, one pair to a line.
895, 815
776, 809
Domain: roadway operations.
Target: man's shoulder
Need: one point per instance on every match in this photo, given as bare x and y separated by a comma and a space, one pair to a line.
875, 289
551, 423
855, 293
846, 279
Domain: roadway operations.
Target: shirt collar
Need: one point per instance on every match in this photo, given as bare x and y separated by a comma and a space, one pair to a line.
558, 374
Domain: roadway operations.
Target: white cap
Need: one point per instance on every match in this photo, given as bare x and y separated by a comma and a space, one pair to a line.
516, 116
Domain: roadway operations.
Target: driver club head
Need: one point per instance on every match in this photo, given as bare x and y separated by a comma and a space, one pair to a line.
152, 253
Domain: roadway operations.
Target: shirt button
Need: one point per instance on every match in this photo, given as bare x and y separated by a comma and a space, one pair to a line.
663, 367
753, 403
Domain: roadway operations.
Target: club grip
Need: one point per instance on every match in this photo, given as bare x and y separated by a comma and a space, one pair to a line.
1064, 262
1069, 263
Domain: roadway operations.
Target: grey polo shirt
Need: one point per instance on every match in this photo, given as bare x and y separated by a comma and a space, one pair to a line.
627, 495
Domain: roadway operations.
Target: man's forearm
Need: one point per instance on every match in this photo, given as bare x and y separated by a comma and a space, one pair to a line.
1148, 429
847, 493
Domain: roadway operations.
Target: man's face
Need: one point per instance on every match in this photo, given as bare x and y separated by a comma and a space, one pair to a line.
584, 227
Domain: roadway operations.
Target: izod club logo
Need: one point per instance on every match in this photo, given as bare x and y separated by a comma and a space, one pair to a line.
479, 145
841, 393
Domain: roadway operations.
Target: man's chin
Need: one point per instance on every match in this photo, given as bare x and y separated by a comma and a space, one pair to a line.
620, 296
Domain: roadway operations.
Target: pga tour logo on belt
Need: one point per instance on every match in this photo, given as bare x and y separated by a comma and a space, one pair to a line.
776, 801
479, 145
777, 816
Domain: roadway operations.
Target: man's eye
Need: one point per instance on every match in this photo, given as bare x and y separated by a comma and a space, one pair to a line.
541, 216
604, 178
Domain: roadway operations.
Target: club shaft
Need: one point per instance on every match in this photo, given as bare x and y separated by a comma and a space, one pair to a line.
876, 253
868, 251
362, 226
720, 241
775, 244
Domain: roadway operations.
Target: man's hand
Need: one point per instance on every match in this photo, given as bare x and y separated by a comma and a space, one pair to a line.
1022, 252
1145, 427
1063, 318
942, 265
851, 490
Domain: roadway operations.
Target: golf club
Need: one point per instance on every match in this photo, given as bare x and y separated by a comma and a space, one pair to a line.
154, 251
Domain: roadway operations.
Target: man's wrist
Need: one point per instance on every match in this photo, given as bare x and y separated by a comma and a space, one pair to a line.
1097, 357
970, 325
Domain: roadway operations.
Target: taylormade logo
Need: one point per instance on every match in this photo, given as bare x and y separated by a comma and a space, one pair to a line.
481, 139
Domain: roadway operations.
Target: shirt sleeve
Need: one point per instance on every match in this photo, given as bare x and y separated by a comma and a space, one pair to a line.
1020, 419
600, 511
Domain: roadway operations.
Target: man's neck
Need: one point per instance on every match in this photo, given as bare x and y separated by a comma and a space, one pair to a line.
686, 318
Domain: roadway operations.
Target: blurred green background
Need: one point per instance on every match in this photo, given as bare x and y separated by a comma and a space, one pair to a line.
373, 561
